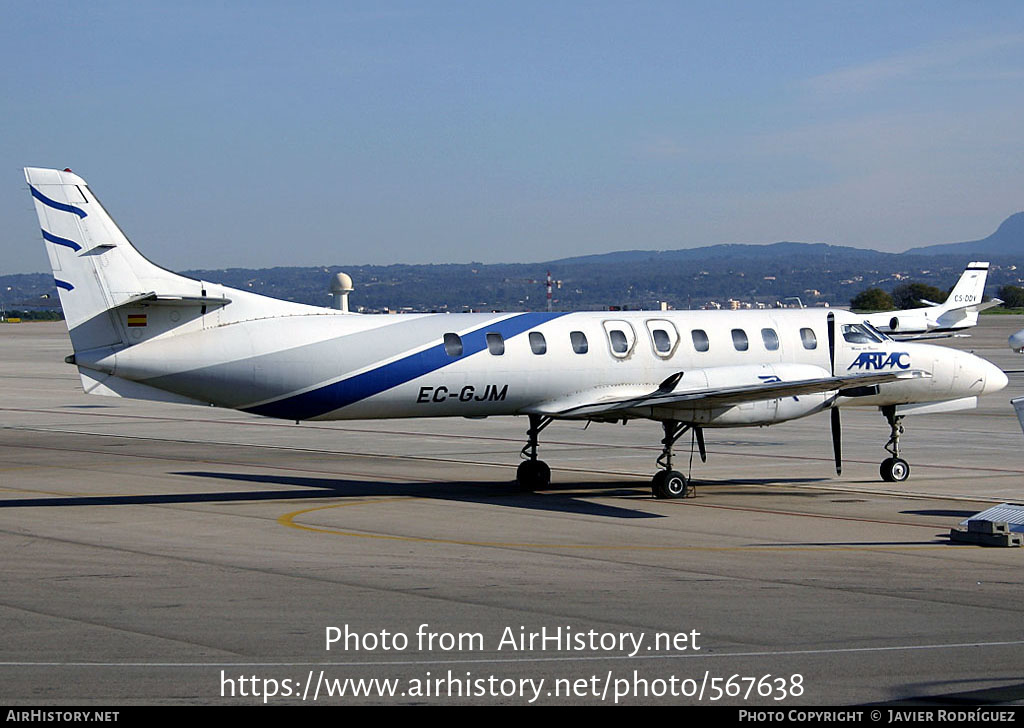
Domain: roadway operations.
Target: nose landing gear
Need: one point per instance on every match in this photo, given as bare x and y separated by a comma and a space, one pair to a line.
894, 469
534, 474
669, 483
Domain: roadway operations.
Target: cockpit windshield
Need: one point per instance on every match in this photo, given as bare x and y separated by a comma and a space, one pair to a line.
876, 332
861, 334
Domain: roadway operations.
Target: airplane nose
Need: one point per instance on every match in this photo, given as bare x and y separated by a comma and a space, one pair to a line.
977, 376
995, 378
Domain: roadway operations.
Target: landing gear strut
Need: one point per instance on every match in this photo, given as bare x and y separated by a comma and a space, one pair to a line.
669, 483
533, 474
894, 469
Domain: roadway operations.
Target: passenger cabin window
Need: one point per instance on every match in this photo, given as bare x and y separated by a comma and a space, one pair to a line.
453, 344
739, 340
538, 344
579, 342
770, 339
664, 337
808, 338
621, 338
495, 344
700, 340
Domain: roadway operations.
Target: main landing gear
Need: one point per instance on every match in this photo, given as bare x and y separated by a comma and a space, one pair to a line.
669, 483
894, 469
534, 474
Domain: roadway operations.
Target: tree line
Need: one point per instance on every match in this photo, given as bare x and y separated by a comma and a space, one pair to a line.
911, 295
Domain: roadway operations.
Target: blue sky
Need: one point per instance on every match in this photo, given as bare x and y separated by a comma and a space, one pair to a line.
254, 134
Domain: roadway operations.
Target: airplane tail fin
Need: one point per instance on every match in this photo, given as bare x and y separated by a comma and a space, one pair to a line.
970, 289
106, 286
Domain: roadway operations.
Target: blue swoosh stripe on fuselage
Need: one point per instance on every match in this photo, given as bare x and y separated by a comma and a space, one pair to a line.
54, 204
59, 283
61, 241
348, 391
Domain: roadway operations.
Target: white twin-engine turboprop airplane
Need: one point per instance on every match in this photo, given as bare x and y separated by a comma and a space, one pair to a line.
140, 331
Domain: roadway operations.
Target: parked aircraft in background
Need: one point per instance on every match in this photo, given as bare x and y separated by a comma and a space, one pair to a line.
940, 320
140, 331
1016, 341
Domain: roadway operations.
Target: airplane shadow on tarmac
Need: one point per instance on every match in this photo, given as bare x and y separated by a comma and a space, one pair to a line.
572, 500
302, 488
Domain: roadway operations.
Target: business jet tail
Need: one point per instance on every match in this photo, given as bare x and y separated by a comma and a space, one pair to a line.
969, 291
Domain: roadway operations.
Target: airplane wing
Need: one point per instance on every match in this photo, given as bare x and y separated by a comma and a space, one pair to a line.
929, 336
724, 396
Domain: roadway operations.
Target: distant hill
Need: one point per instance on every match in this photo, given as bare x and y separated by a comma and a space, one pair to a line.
1007, 240
733, 251
818, 273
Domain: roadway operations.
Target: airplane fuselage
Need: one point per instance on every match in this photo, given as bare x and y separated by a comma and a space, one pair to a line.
324, 366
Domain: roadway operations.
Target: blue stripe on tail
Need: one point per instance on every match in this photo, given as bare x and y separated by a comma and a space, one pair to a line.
56, 205
61, 241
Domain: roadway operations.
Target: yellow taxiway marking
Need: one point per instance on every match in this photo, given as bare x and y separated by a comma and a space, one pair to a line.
290, 520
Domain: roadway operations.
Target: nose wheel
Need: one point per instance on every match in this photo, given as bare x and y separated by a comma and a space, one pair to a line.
669, 483
534, 474
894, 469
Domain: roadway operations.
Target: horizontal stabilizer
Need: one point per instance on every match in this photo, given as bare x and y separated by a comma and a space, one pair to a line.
991, 303
973, 307
166, 299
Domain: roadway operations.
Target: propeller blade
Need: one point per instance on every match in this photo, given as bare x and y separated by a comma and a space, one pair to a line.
832, 341
700, 444
837, 440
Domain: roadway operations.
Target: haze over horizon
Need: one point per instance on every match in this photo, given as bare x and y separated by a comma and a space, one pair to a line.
252, 135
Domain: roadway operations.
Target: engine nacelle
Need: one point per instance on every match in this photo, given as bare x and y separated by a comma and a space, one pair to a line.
767, 411
909, 323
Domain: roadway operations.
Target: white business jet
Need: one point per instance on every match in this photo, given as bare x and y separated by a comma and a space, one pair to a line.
140, 331
940, 320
